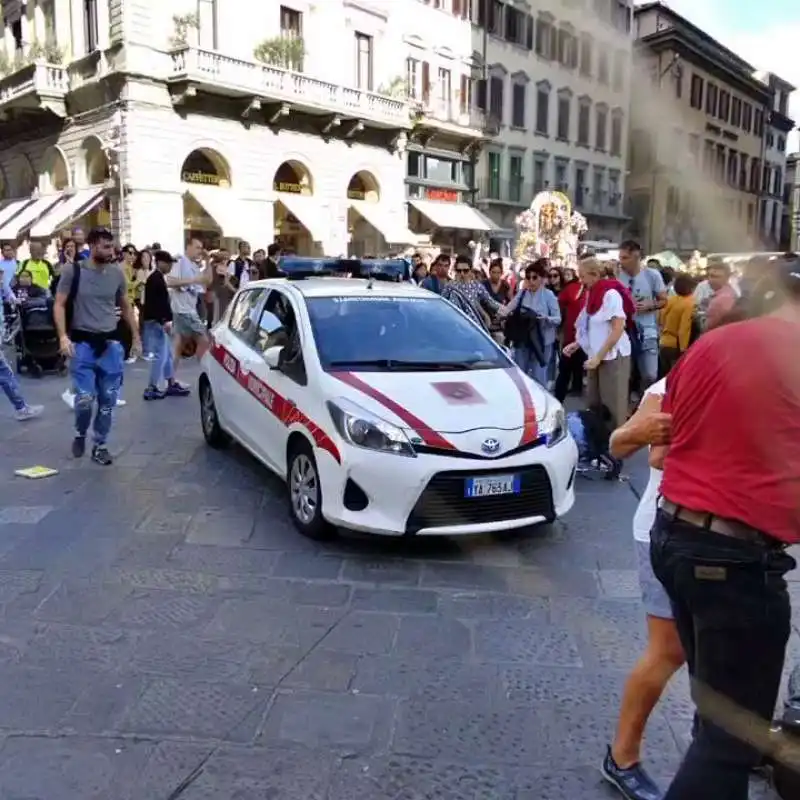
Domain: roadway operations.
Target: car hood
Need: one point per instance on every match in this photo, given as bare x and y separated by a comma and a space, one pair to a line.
459, 410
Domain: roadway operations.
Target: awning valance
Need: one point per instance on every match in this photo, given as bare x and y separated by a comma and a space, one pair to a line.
71, 207
459, 216
16, 225
308, 211
379, 218
225, 207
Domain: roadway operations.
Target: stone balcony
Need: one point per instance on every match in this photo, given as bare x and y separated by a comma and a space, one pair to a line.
37, 86
262, 84
435, 119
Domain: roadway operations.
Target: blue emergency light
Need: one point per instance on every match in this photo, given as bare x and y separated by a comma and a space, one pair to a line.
387, 269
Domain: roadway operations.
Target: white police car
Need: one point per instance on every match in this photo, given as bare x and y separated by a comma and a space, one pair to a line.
385, 409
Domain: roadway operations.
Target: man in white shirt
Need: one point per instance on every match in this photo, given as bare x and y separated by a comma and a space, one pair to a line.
187, 281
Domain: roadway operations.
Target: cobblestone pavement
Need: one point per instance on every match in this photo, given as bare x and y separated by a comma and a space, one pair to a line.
165, 633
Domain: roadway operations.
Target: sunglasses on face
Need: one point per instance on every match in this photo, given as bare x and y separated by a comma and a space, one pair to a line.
554, 275
463, 269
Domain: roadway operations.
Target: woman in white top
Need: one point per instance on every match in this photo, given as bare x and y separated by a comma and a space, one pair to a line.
600, 333
663, 655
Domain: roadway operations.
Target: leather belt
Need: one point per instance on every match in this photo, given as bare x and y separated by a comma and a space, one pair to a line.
720, 525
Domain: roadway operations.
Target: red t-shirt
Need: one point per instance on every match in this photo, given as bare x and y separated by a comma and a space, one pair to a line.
735, 404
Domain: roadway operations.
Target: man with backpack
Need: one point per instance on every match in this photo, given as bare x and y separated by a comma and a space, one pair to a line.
88, 297
650, 295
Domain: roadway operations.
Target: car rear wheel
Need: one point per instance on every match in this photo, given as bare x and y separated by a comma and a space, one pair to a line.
214, 435
305, 495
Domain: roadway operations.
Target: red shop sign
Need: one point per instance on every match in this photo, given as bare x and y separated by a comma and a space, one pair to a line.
448, 195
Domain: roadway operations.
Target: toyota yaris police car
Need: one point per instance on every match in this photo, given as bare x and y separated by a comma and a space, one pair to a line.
385, 409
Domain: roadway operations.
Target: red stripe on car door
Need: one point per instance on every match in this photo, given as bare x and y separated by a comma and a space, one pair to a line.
288, 413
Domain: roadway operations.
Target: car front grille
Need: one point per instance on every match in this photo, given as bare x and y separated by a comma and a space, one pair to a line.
442, 503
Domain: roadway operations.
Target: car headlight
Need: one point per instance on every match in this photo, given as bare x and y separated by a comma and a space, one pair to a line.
362, 428
554, 425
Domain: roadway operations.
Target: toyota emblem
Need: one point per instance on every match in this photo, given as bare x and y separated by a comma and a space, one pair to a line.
490, 446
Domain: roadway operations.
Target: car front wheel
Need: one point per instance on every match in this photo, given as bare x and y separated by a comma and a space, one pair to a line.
305, 495
214, 435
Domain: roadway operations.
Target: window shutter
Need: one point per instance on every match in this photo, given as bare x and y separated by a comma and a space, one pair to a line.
480, 100
529, 33
554, 52
463, 97
426, 81
457, 8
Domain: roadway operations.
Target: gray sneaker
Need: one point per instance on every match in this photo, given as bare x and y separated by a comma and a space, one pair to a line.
29, 412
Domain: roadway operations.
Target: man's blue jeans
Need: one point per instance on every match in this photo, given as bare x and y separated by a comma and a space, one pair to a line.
160, 345
96, 376
10, 384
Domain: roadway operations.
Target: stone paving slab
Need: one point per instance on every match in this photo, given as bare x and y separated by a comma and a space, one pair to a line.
165, 633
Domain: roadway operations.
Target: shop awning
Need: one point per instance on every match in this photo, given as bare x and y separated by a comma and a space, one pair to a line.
9, 210
30, 214
453, 215
308, 211
225, 207
382, 221
71, 207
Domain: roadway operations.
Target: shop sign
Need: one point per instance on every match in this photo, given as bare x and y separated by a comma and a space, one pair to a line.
356, 194
204, 178
447, 195
290, 188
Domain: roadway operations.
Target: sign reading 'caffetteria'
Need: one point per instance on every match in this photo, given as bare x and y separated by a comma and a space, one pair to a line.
205, 178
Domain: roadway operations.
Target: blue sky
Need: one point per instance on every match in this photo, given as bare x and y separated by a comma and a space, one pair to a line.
767, 34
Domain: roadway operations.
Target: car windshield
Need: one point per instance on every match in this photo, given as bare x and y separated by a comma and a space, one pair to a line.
398, 334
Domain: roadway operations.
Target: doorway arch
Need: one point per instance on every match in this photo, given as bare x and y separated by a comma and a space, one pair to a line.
364, 186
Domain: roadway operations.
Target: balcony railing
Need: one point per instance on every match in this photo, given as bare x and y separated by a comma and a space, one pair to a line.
508, 192
35, 84
440, 113
227, 75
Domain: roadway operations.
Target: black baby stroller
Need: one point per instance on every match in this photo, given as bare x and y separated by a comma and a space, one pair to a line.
37, 340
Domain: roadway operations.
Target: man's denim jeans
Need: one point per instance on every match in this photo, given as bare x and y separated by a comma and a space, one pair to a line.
160, 345
97, 377
10, 384
647, 363
732, 610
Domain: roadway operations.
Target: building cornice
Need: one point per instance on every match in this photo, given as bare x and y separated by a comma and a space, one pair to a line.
709, 58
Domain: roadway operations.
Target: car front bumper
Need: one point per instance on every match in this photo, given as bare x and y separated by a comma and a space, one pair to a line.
424, 495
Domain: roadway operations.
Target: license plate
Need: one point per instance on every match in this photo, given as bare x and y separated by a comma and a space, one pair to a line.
490, 487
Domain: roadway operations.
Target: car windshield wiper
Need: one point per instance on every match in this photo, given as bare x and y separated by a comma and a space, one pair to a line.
392, 364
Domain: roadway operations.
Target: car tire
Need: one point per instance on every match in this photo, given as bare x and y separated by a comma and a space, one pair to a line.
214, 435
305, 494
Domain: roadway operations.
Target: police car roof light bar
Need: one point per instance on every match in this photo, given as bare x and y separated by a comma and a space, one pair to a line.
301, 267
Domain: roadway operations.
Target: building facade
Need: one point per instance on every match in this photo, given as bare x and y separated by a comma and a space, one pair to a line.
698, 139
778, 127
790, 227
557, 93
168, 118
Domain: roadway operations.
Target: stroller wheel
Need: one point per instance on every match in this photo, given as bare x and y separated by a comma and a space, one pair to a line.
36, 370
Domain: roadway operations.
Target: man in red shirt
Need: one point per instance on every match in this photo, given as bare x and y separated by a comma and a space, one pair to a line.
730, 505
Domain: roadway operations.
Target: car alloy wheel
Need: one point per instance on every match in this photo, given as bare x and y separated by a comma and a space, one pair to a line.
209, 419
305, 495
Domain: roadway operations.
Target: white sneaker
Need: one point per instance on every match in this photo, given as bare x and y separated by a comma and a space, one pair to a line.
149, 357
68, 398
121, 402
29, 412
130, 360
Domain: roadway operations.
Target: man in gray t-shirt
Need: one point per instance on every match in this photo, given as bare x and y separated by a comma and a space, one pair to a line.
187, 282
90, 340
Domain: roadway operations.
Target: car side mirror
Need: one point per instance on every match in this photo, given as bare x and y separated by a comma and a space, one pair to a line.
272, 357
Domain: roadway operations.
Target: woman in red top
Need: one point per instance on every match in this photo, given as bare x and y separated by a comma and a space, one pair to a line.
570, 368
